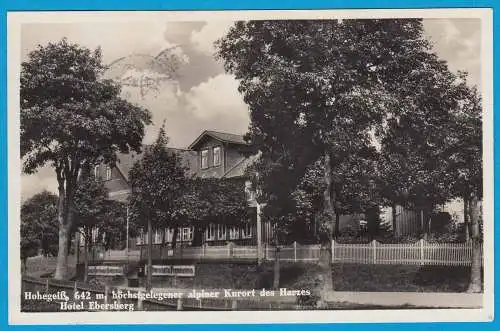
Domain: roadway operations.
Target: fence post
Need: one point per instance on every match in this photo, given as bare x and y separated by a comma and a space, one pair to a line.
421, 251
234, 305
106, 291
374, 245
179, 304
333, 250
294, 251
47, 286
139, 301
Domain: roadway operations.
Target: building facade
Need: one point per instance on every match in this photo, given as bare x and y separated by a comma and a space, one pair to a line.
212, 155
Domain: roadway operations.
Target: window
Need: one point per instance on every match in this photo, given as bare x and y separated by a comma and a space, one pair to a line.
157, 237
95, 234
221, 232
169, 234
108, 172
248, 191
140, 238
204, 159
211, 232
234, 233
217, 156
187, 234
247, 231
96, 172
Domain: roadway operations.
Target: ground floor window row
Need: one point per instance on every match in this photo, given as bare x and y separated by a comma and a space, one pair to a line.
213, 232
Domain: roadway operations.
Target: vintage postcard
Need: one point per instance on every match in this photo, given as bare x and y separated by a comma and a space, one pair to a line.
314, 166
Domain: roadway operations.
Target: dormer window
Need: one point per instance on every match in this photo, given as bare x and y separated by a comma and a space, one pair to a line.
217, 156
204, 159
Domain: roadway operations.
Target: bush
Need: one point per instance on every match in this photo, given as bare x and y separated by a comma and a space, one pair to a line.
308, 301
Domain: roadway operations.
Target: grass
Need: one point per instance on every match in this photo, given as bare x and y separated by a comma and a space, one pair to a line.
346, 277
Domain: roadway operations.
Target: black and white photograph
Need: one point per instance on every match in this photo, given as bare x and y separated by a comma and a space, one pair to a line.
313, 165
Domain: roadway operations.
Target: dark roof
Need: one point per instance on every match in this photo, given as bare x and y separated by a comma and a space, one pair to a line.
126, 161
221, 136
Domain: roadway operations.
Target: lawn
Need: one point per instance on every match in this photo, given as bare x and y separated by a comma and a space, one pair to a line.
346, 277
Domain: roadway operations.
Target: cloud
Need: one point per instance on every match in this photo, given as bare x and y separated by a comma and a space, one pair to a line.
117, 39
217, 96
204, 39
458, 41
44, 179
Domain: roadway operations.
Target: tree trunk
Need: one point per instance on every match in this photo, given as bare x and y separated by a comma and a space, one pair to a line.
63, 216
475, 283
336, 232
466, 220
174, 238
150, 255
65, 220
325, 254
24, 268
276, 281
87, 248
394, 223
85, 262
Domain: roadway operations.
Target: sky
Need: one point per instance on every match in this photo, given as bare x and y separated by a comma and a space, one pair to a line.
202, 96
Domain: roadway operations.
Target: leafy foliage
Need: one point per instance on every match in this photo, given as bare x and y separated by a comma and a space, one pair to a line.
157, 181
39, 227
69, 114
94, 209
314, 88
205, 200
70, 118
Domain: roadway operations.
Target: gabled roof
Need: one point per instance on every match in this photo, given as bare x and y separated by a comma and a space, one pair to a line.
221, 136
126, 161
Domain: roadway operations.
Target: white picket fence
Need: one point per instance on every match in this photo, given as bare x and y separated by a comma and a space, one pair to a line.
419, 253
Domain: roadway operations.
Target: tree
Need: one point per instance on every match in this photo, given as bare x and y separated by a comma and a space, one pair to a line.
39, 225
90, 211
211, 200
71, 117
432, 149
323, 85
465, 173
415, 141
355, 189
114, 227
156, 181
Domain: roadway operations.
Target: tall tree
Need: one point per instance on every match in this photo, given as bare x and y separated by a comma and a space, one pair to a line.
156, 180
355, 189
70, 117
464, 153
432, 149
90, 213
39, 228
414, 165
321, 85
